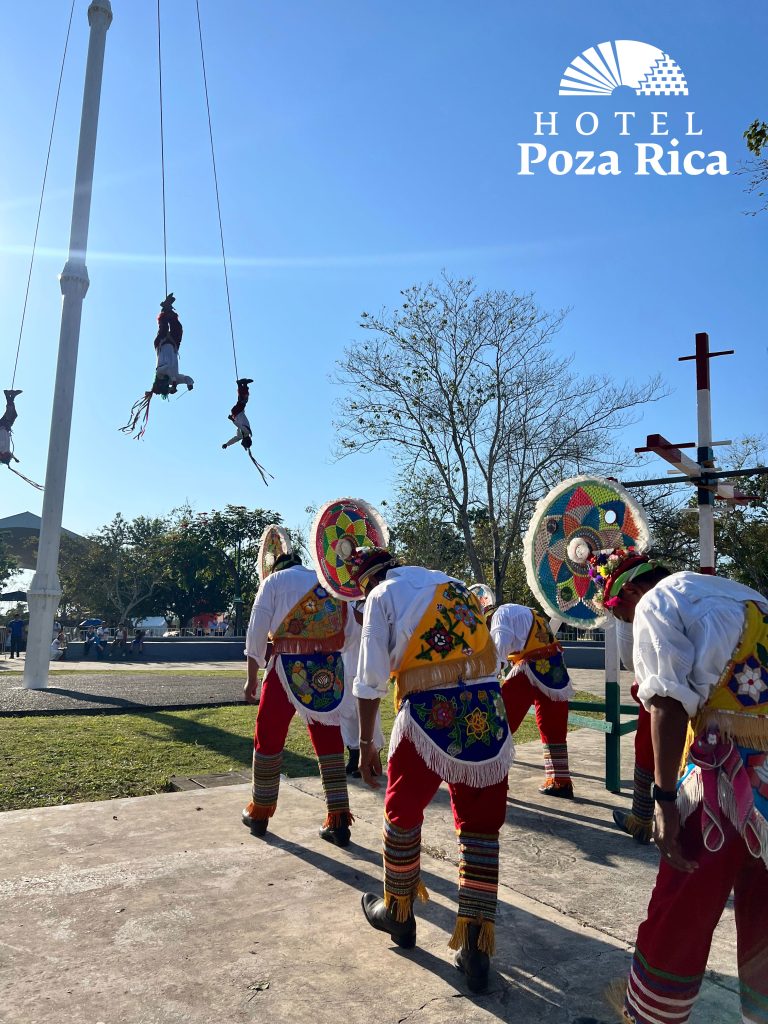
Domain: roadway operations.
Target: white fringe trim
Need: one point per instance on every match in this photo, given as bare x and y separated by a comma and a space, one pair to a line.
523, 669
478, 774
691, 794
321, 717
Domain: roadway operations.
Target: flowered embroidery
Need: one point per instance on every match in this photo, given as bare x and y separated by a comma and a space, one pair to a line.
317, 616
317, 681
748, 682
757, 769
458, 720
456, 622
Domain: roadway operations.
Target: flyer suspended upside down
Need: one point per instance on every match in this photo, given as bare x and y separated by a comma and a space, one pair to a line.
244, 433
7, 421
167, 373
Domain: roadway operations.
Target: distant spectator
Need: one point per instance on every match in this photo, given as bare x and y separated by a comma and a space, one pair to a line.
59, 647
16, 632
101, 641
90, 640
120, 643
137, 644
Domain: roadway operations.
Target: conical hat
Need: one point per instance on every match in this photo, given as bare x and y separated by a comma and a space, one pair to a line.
274, 542
340, 526
484, 595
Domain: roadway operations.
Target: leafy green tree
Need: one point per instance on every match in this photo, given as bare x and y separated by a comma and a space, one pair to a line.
7, 563
756, 137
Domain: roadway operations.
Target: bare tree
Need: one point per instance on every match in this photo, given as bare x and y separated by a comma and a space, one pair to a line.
465, 386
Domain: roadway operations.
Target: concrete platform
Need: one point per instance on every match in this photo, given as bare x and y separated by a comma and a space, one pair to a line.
165, 910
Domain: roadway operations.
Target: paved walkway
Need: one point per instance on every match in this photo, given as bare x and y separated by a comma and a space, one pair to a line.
163, 685
164, 910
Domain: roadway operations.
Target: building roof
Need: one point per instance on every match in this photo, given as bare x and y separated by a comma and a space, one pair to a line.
17, 530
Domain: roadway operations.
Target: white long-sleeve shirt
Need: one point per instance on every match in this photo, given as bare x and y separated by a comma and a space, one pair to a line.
393, 610
278, 595
510, 626
685, 631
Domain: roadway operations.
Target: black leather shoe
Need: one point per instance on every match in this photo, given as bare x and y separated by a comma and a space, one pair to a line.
339, 836
472, 963
403, 933
627, 822
353, 763
258, 826
563, 790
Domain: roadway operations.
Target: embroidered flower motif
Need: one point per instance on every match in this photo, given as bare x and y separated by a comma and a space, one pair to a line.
482, 695
310, 605
295, 626
467, 651
323, 680
476, 724
465, 696
465, 615
442, 714
751, 683
557, 674
439, 640
542, 666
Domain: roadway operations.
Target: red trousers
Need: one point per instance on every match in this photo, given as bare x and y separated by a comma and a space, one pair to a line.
673, 942
412, 785
643, 741
274, 718
551, 715
272, 722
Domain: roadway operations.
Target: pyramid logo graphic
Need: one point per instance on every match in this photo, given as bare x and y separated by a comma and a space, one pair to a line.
603, 68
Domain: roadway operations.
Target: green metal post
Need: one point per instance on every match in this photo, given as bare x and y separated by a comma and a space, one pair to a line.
613, 738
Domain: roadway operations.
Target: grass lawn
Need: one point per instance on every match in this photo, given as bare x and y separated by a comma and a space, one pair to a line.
62, 759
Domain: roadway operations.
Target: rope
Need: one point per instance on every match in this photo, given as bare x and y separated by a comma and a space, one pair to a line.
42, 194
162, 147
216, 186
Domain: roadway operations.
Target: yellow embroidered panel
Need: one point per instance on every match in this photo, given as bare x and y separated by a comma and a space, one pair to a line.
739, 704
451, 642
316, 617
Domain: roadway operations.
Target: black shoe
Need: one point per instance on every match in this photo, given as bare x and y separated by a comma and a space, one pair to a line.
339, 836
627, 822
473, 964
353, 763
563, 790
258, 826
376, 914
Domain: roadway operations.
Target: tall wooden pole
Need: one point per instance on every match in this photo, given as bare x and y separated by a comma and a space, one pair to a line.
45, 589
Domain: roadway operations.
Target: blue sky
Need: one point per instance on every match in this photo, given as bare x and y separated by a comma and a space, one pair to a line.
361, 147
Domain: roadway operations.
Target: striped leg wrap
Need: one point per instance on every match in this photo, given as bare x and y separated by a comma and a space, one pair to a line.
642, 802
402, 864
556, 762
334, 779
266, 783
478, 886
658, 997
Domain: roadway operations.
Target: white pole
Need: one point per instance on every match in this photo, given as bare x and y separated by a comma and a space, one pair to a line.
45, 590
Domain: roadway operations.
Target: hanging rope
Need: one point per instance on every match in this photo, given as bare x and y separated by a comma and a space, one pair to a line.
162, 146
40, 205
216, 185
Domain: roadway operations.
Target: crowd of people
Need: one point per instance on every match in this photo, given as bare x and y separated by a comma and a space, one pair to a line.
465, 673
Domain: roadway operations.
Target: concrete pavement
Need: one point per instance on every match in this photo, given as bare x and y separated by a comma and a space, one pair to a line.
164, 910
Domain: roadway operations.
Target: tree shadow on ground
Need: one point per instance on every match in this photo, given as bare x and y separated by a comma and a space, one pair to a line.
232, 745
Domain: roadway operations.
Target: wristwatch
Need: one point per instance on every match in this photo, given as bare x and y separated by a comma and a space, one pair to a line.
663, 796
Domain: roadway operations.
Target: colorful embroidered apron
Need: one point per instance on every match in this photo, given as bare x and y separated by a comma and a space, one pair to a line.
451, 642
728, 767
315, 623
308, 662
541, 661
314, 684
459, 729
